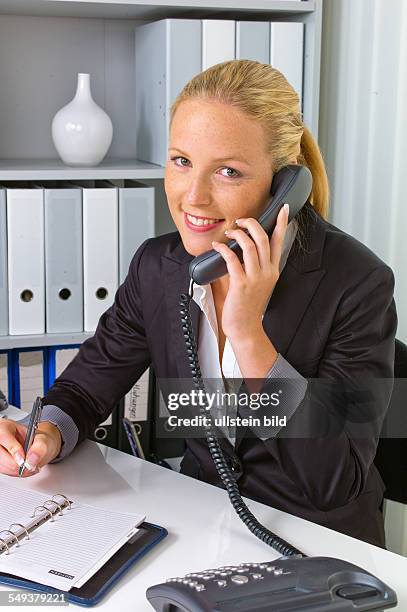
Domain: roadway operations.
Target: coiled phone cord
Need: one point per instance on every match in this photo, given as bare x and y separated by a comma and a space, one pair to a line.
215, 449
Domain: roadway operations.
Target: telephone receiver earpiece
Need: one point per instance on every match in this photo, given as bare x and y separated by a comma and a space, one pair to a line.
292, 185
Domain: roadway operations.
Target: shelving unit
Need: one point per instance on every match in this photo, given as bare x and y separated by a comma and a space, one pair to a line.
55, 170
47, 42
39, 340
152, 10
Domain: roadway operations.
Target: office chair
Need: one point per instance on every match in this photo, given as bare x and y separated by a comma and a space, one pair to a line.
391, 456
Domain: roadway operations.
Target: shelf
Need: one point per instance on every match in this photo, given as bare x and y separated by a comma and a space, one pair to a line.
150, 9
12, 342
55, 170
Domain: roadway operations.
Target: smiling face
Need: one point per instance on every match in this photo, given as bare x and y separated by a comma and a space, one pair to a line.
218, 170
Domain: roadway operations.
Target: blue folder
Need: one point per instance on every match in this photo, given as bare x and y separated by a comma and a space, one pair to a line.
93, 591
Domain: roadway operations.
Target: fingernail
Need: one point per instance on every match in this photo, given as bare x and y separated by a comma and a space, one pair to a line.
226, 232
19, 459
31, 461
287, 208
237, 221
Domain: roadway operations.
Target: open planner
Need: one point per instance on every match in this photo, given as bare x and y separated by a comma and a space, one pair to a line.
61, 544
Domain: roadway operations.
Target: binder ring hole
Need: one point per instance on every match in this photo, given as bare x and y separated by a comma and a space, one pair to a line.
100, 433
26, 295
65, 294
168, 427
101, 293
137, 427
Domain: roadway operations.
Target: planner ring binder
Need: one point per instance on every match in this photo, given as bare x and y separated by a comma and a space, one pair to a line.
25, 530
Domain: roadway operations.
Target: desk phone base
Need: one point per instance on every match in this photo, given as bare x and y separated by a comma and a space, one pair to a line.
310, 584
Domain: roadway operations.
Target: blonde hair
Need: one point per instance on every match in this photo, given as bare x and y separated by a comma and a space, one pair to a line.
263, 93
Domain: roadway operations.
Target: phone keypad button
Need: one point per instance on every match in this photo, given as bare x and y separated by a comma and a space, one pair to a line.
221, 583
200, 587
239, 579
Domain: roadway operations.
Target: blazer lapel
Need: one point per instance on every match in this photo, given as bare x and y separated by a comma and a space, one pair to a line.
176, 281
296, 286
291, 298
293, 292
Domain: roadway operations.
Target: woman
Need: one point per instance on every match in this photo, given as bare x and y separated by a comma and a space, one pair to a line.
311, 302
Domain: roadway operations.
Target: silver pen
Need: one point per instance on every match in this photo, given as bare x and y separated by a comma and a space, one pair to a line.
32, 427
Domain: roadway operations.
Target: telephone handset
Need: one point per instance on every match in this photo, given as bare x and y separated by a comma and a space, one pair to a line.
292, 184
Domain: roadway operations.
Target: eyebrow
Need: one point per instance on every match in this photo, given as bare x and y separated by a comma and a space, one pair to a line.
217, 159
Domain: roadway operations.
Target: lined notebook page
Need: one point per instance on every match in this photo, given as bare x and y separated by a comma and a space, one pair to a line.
16, 504
74, 546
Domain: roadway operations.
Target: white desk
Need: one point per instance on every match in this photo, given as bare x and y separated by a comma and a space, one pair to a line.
204, 531
12, 412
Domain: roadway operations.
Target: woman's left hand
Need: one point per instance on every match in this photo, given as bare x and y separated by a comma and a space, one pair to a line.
252, 283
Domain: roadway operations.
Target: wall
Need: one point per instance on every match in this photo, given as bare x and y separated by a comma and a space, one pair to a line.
363, 128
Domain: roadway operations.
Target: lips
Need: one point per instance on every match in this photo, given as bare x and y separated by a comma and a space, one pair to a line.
202, 227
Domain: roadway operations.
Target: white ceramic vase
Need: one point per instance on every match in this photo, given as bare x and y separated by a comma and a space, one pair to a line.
82, 132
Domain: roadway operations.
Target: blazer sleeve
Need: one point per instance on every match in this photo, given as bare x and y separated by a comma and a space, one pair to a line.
109, 363
331, 437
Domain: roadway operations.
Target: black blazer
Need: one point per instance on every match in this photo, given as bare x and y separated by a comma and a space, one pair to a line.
331, 315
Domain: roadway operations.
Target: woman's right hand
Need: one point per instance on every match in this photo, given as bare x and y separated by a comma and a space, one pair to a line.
45, 447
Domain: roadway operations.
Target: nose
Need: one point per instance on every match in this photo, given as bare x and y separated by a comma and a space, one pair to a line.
198, 192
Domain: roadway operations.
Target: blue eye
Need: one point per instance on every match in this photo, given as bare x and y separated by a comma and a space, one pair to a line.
235, 175
174, 159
